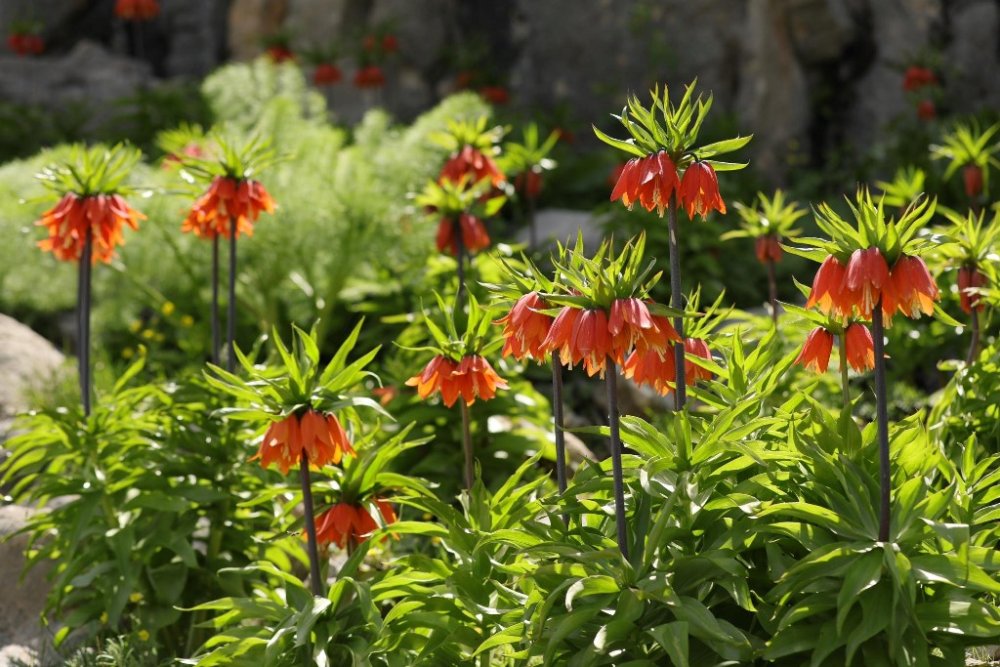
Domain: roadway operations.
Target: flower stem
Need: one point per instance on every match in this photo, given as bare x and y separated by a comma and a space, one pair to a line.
680, 391
231, 305
611, 379
460, 258
772, 291
974, 342
307, 503
83, 356
882, 415
470, 470
215, 300
529, 206
844, 378
557, 419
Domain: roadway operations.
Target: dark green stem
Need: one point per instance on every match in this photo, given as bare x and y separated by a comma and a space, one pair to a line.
307, 503
470, 470
974, 342
676, 302
611, 378
844, 377
231, 305
557, 419
882, 415
460, 258
772, 291
84, 315
215, 300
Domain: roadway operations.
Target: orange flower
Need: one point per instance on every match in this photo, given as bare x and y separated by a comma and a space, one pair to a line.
370, 76
327, 74
972, 179
913, 287
868, 280
474, 236
320, 436
815, 352
137, 10
228, 199
346, 523
768, 249
699, 190
529, 183
926, 110
632, 326
471, 162
970, 277
917, 77
692, 371
471, 378
560, 336
650, 180
69, 220
652, 368
525, 328
495, 94
828, 290
860, 347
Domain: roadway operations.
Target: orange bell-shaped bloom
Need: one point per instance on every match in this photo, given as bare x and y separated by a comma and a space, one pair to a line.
829, 290
692, 371
860, 350
867, 281
815, 354
137, 10
471, 163
560, 336
913, 288
970, 277
69, 220
767, 248
321, 437
525, 328
474, 236
327, 74
649, 180
632, 326
348, 524
699, 191
471, 378
228, 200
972, 179
651, 368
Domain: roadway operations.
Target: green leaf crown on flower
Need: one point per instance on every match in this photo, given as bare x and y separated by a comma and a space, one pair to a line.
92, 170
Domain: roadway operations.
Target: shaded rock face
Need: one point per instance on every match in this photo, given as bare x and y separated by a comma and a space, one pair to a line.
22, 637
26, 361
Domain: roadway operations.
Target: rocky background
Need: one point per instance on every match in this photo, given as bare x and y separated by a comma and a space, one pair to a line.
806, 76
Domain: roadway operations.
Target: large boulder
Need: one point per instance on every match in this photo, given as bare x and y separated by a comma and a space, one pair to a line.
27, 361
23, 638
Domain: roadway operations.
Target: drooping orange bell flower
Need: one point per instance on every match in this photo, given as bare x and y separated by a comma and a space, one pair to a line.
474, 235
327, 74
692, 371
348, 524
860, 350
320, 436
137, 10
970, 277
528, 183
68, 221
699, 191
815, 354
632, 326
649, 180
917, 77
370, 76
768, 249
581, 335
525, 328
470, 378
926, 110
868, 280
913, 288
226, 200
972, 179
829, 290
473, 164
658, 370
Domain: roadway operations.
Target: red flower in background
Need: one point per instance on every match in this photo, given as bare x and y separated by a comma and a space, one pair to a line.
917, 77
227, 200
913, 287
68, 221
279, 53
692, 371
860, 347
495, 95
389, 43
529, 183
25, 44
699, 191
868, 280
470, 378
972, 178
767, 249
970, 277
926, 110
525, 328
471, 162
137, 10
348, 524
327, 74
370, 76
474, 236
815, 354
319, 435
650, 180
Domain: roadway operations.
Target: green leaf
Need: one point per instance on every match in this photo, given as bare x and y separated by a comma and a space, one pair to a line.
673, 638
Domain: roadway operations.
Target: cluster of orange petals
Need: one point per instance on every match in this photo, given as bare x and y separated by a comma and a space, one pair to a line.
473, 164
917, 77
652, 180
859, 352
137, 10
69, 221
658, 369
470, 378
320, 437
525, 328
227, 200
970, 277
529, 183
346, 523
591, 336
767, 248
474, 236
840, 290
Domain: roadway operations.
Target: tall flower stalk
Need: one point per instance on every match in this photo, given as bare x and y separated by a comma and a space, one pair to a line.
311, 412
527, 161
670, 171
86, 225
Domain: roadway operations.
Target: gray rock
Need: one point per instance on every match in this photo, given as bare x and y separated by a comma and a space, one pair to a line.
26, 361
562, 225
22, 637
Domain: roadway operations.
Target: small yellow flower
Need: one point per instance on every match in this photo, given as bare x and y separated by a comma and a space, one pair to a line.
187, 321
104, 617
143, 636
134, 326
168, 308
148, 334
160, 338
128, 353
135, 597
435, 540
